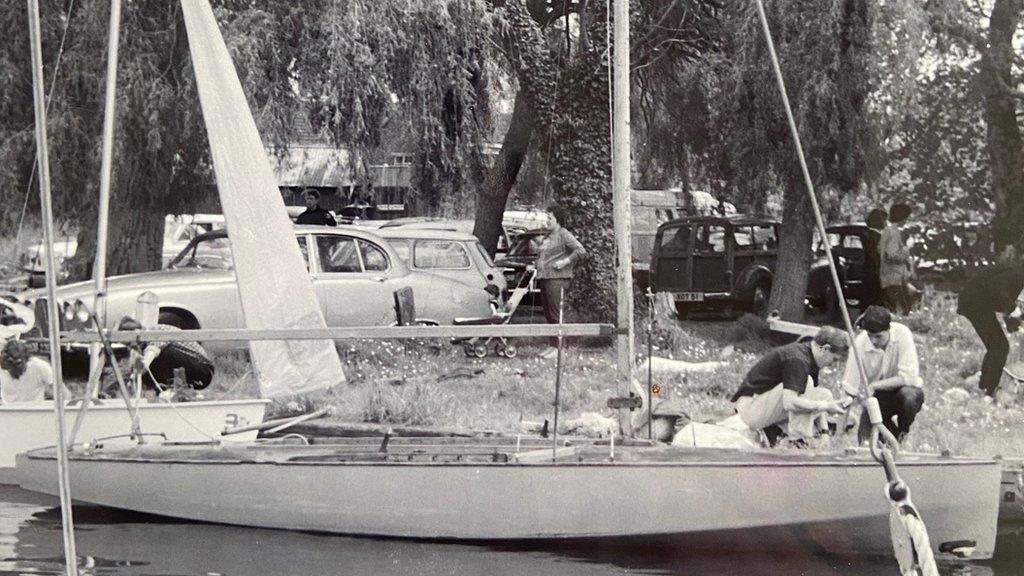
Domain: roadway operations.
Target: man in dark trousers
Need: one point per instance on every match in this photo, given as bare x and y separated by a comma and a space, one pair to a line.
314, 214
993, 290
781, 389
889, 357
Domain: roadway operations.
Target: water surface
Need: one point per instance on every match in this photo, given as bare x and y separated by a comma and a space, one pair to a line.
116, 543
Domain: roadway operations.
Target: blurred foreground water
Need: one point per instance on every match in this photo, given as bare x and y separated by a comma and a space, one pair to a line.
116, 543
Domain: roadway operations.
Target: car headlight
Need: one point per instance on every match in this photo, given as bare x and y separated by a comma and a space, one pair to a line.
82, 313
69, 311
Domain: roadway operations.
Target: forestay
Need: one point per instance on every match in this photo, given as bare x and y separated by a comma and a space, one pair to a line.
275, 288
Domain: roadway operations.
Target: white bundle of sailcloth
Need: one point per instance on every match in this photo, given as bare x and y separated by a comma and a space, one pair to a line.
275, 288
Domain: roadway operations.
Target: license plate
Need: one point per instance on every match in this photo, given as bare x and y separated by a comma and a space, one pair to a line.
690, 296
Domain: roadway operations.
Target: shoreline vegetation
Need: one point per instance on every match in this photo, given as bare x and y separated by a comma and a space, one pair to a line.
431, 383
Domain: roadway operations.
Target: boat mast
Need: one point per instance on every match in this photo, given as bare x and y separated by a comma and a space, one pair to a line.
53, 313
621, 200
99, 272
100, 268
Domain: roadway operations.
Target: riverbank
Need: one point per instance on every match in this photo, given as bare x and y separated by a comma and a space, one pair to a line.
433, 384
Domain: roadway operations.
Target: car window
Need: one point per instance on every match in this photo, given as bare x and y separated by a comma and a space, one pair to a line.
212, 253
853, 241
338, 254
483, 253
526, 245
711, 239
676, 238
305, 251
764, 238
374, 259
743, 237
440, 254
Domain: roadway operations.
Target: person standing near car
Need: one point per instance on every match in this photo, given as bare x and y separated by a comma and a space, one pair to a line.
872, 283
314, 214
994, 290
559, 252
895, 269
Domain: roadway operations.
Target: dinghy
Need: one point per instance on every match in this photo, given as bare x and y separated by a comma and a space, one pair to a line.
29, 425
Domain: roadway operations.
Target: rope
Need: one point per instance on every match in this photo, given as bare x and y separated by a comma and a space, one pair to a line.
910, 541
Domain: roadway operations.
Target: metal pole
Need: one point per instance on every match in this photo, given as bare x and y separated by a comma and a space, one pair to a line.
650, 369
42, 157
621, 201
100, 268
558, 377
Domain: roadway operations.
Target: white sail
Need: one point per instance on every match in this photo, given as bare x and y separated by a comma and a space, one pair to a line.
275, 288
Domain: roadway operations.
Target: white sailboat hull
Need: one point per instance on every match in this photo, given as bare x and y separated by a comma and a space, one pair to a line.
29, 425
836, 501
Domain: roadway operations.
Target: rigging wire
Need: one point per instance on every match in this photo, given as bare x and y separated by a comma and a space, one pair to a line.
49, 99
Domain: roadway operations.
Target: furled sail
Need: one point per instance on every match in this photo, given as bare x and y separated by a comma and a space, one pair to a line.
275, 288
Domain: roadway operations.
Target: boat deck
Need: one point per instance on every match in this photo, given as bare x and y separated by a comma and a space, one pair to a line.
486, 451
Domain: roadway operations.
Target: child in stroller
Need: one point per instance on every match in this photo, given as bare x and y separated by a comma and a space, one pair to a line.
502, 314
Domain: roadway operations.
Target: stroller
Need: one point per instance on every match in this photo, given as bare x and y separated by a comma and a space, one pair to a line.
501, 314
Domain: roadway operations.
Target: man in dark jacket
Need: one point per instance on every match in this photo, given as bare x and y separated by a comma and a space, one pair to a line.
993, 290
314, 214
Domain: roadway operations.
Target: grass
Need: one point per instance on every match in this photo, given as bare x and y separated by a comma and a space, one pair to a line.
432, 383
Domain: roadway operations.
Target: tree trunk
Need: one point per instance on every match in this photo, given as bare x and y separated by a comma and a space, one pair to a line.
500, 178
1003, 140
797, 232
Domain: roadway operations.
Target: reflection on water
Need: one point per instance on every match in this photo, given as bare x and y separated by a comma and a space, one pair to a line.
114, 543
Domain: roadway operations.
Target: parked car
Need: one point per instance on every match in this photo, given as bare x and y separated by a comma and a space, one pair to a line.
464, 226
178, 231
728, 262
455, 255
355, 274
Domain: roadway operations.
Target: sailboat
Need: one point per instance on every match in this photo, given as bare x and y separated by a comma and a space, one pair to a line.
507, 489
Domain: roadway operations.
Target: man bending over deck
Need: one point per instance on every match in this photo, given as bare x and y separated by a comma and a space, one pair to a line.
890, 361
783, 386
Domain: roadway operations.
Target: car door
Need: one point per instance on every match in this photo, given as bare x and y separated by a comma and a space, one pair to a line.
352, 282
670, 268
710, 259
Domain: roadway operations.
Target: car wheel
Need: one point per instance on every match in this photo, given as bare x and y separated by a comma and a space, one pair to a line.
173, 319
759, 299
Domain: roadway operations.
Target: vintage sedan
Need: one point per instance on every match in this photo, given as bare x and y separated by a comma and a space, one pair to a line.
355, 274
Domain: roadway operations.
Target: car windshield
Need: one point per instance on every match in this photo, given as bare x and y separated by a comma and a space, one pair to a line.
214, 253
211, 253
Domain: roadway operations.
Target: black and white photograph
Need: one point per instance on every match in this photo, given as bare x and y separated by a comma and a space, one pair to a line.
511, 287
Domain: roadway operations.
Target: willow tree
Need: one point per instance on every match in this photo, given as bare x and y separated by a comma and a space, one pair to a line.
565, 82
823, 48
349, 69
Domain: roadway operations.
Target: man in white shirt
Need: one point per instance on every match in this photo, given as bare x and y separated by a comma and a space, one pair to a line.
894, 377
24, 377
